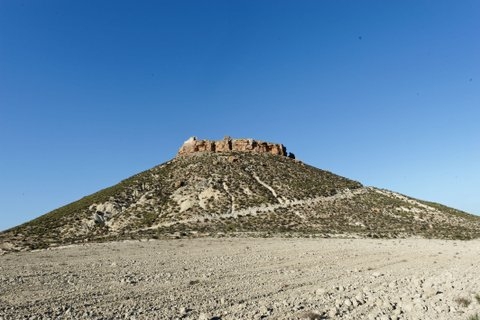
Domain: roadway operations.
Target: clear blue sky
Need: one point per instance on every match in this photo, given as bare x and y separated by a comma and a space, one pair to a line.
92, 92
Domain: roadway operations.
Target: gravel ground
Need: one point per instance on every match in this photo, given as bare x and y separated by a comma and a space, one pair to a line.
242, 278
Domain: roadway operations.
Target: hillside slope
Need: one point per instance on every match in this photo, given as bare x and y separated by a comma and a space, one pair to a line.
235, 192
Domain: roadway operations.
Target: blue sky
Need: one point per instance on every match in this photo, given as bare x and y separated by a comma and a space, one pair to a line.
92, 92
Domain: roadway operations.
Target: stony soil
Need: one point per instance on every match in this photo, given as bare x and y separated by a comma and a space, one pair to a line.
241, 278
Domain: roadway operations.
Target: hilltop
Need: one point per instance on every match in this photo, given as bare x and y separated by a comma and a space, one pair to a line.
251, 188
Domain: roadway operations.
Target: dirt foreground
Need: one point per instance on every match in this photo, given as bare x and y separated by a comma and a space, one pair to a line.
242, 278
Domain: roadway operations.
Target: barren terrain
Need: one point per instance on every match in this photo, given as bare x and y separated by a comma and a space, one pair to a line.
245, 278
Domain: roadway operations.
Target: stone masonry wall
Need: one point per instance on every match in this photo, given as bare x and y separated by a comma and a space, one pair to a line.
193, 145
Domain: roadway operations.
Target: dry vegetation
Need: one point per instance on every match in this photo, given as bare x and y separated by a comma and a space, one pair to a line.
232, 193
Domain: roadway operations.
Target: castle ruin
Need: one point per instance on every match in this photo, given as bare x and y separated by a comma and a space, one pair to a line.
193, 145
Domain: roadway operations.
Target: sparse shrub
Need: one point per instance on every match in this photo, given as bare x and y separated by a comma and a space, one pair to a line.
464, 302
310, 315
477, 297
474, 317
193, 282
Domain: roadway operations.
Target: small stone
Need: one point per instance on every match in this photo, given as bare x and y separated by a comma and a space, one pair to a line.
310, 315
408, 307
338, 303
430, 292
232, 159
178, 184
347, 303
320, 291
332, 312
397, 312
359, 299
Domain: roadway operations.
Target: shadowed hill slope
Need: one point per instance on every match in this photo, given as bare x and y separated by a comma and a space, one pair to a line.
235, 192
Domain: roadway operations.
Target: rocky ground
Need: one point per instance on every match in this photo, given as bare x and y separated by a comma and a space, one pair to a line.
241, 278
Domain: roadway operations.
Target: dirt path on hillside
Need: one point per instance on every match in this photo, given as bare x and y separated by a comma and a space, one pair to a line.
239, 278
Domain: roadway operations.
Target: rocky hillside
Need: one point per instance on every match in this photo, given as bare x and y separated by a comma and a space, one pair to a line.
210, 193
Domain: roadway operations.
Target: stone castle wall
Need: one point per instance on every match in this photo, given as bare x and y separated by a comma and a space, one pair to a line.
193, 145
